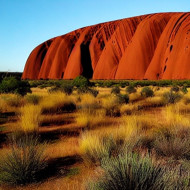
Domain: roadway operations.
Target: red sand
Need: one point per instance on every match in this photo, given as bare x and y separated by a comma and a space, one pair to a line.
155, 46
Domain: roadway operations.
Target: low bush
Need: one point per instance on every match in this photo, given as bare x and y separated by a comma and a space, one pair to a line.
83, 90
184, 90
81, 81
131, 89
130, 172
175, 88
115, 90
24, 163
123, 98
171, 97
175, 144
14, 85
147, 92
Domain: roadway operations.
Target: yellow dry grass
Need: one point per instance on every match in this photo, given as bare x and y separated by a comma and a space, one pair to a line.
29, 117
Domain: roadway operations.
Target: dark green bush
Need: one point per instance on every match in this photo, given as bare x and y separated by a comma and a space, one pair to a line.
147, 92
123, 98
14, 85
131, 89
83, 90
184, 89
81, 81
24, 163
175, 88
115, 90
130, 172
171, 97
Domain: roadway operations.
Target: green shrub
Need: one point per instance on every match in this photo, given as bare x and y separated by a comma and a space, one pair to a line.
81, 81
83, 90
171, 97
24, 163
123, 98
130, 172
175, 88
115, 90
147, 92
33, 99
14, 85
184, 90
131, 89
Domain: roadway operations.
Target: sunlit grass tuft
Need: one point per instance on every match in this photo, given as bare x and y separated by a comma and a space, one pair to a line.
29, 117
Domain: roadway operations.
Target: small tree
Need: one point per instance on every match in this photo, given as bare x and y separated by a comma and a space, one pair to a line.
81, 81
131, 89
115, 90
14, 85
147, 92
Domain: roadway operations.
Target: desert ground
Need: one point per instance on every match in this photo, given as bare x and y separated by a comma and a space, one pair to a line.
95, 138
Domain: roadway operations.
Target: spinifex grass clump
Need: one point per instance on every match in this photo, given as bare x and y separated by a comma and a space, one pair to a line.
173, 142
23, 164
95, 148
130, 172
30, 117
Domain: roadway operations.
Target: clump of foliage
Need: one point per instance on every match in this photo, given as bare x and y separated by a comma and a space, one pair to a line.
33, 99
83, 90
184, 89
81, 81
24, 163
97, 148
130, 172
115, 90
131, 89
171, 97
175, 88
147, 92
14, 85
123, 98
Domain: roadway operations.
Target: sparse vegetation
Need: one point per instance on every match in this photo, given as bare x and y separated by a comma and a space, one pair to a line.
131, 172
115, 90
14, 85
147, 92
23, 164
141, 131
171, 97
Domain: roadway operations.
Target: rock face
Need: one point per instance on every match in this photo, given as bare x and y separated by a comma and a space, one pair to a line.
155, 46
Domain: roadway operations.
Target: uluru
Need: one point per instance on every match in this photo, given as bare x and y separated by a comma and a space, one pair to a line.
153, 47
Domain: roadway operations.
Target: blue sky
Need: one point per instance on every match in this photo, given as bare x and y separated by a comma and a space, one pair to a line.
27, 23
